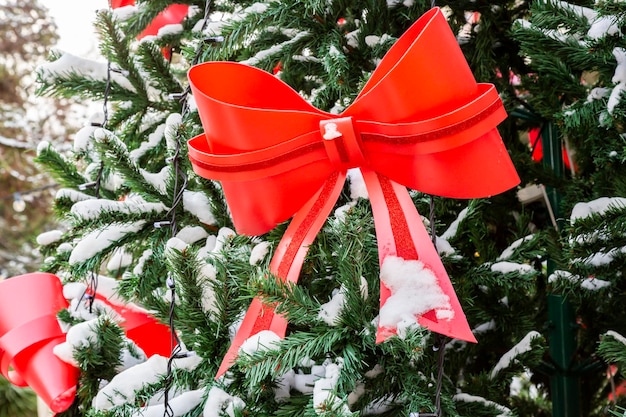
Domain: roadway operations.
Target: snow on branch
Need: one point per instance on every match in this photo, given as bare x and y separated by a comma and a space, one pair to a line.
598, 206
522, 347
99, 240
616, 336
504, 412
71, 64
14, 143
274, 49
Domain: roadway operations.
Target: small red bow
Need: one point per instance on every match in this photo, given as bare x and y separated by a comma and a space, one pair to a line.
421, 121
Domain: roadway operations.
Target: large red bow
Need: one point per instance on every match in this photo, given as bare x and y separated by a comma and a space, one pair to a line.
421, 121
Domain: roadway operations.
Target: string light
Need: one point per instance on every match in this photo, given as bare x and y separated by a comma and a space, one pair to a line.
180, 184
19, 205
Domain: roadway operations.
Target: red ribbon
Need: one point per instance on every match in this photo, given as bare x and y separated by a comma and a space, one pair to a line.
421, 121
29, 332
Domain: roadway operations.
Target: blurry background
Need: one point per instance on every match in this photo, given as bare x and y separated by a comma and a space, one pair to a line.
29, 31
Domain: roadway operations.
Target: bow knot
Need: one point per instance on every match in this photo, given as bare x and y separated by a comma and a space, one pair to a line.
421, 121
342, 143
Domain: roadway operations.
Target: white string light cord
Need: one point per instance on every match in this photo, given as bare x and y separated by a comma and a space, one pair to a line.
180, 184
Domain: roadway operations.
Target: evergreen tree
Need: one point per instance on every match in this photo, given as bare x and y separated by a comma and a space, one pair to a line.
145, 228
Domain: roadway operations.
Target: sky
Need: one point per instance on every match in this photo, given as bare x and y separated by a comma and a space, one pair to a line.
74, 20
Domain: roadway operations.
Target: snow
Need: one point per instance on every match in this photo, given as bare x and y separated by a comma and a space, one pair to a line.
83, 137
504, 412
602, 258
507, 267
223, 236
50, 237
180, 405
374, 40
262, 341
330, 311
192, 234
598, 206
171, 29
172, 126
259, 252
444, 248
522, 346
153, 141
78, 336
509, 251
597, 94
158, 179
138, 269
124, 13
484, 327
175, 244
454, 226
120, 258
69, 63
323, 395
198, 204
219, 401
275, 49
518, 384
208, 274
601, 26
43, 147
93, 208
208, 248
414, 291
97, 241
108, 288
123, 386
72, 195
65, 247
341, 211
616, 336
74, 290
352, 38
357, 184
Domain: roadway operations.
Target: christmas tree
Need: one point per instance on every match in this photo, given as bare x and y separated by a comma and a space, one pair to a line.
165, 252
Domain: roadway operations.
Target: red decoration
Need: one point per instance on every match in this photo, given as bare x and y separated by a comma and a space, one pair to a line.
277, 68
29, 331
534, 136
153, 337
172, 14
421, 121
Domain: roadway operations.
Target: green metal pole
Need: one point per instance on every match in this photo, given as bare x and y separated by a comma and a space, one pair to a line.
564, 380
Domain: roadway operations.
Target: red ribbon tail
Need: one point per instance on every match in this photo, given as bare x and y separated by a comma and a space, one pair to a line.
286, 265
402, 237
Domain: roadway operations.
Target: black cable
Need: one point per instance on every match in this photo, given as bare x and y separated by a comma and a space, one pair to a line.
431, 219
92, 283
179, 190
175, 350
27, 192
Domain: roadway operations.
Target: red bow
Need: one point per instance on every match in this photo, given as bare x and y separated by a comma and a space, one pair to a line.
421, 121
29, 332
